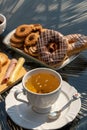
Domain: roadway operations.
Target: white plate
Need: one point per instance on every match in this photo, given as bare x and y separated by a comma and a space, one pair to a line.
25, 117
6, 41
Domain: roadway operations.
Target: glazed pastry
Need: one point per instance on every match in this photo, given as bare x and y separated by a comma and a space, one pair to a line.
52, 47
31, 39
15, 39
23, 30
78, 46
72, 38
33, 51
19, 45
37, 28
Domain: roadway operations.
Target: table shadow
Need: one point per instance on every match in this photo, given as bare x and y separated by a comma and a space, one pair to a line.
66, 17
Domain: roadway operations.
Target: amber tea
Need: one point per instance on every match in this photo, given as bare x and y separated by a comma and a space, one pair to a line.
42, 83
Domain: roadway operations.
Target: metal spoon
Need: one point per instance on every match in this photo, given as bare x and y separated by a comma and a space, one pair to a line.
54, 115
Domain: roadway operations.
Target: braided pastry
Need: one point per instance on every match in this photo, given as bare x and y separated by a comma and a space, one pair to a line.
78, 46
72, 38
52, 47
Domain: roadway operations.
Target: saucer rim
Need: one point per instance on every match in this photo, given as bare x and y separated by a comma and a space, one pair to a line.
69, 117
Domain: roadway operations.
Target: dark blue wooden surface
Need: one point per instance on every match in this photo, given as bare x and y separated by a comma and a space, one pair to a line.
66, 16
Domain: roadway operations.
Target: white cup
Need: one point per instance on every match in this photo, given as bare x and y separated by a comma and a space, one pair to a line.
40, 102
2, 23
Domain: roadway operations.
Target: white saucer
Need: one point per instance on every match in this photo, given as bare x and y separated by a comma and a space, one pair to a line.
25, 117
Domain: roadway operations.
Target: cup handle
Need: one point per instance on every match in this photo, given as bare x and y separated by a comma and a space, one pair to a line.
17, 92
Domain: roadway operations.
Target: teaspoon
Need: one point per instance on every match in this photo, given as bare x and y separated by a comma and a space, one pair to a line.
54, 115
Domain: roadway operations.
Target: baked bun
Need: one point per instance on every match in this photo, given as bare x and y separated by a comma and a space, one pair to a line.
3, 58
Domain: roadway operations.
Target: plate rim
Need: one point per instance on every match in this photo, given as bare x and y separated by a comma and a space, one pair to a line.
68, 117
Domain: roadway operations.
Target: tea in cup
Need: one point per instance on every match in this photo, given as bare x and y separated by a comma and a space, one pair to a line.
2, 23
42, 87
